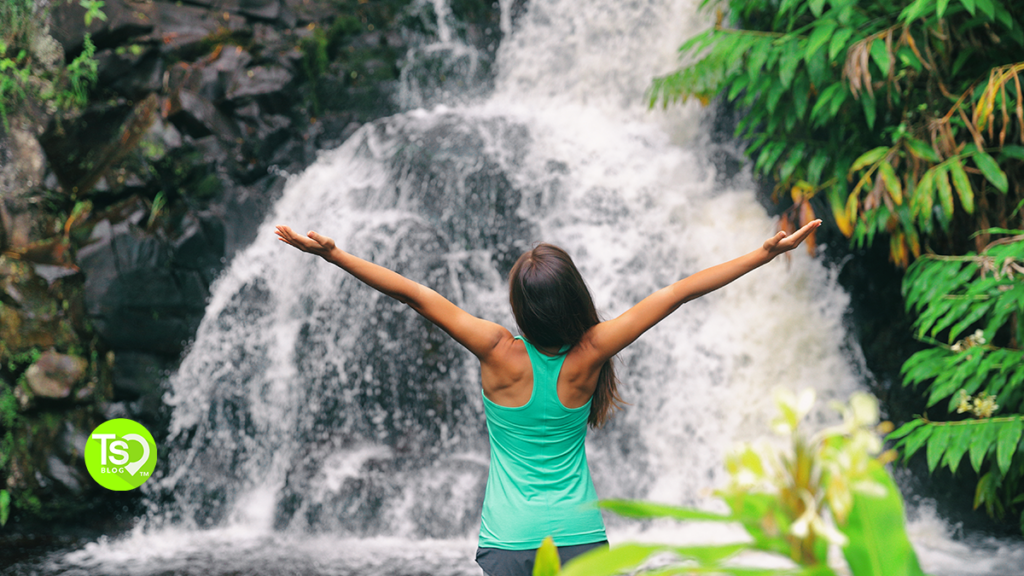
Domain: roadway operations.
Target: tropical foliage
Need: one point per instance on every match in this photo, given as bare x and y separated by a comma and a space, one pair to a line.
902, 118
900, 121
786, 500
32, 64
980, 375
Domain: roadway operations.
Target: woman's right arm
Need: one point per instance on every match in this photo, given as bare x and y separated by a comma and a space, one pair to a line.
608, 338
478, 335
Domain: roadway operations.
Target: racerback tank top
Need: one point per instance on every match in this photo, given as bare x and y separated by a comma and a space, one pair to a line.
539, 484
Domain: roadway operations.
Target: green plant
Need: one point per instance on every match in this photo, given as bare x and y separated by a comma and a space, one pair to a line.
93, 10
80, 74
5, 506
786, 501
24, 74
979, 375
898, 118
314, 63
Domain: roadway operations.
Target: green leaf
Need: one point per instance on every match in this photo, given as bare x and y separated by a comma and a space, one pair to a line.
945, 191
940, 7
969, 5
990, 169
817, 6
547, 563
891, 182
870, 112
904, 430
878, 543
880, 55
816, 166
801, 94
937, 446
838, 43
962, 184
788, 64
959, 442
609, 561
1006, 446
640, 509
1013, 151
915, 440
986, 7
5, 506
822, 33
869, 157
922, 150
981, 441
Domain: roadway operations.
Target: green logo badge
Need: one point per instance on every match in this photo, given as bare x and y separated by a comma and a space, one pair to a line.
120, 454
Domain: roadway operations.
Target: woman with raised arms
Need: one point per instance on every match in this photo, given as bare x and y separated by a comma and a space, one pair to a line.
542, 389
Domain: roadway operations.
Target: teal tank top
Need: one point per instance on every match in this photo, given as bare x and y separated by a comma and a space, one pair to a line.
539, 484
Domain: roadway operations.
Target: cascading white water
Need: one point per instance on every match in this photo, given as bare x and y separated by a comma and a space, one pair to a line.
319, 427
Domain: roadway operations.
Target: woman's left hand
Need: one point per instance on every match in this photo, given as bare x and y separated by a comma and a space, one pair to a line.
783, 242
312, 243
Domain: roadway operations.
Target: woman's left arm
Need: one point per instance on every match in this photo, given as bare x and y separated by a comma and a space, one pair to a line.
479, 336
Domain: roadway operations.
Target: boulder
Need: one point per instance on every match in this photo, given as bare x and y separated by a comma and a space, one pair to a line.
133, 71
83, 149
260, 9
198, 117
258, 81
183, 29
54, 375
137, 299
218, 75
22, 163
125, 19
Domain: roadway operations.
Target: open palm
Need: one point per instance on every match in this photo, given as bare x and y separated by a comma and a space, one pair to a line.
783, 242
312, 243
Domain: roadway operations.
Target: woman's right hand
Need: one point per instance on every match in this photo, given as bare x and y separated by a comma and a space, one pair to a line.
783, 242
312, 243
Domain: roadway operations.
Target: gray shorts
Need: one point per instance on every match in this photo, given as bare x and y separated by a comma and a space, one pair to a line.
497, 562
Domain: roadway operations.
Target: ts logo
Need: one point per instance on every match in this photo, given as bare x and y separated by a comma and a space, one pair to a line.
120, 454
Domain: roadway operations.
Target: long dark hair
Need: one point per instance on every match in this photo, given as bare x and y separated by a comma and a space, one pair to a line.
553, 307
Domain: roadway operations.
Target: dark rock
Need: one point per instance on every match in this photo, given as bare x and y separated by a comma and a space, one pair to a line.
212, 150
258, 81
136, 298
200, 246
82, 150
219, 75
183, 29
63, 474
248, 205
132, 72
268, 39
54, 374
198, 117
262, 9
306, 11
125, 19
138, 374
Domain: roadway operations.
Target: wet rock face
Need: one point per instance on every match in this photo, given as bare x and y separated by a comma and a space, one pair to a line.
116, 219
54, 374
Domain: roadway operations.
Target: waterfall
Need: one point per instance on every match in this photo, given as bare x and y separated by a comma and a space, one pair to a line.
318, 424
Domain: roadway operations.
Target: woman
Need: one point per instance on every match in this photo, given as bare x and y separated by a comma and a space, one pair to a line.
542, 389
